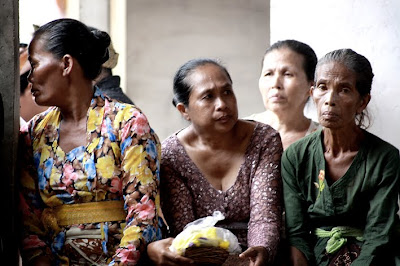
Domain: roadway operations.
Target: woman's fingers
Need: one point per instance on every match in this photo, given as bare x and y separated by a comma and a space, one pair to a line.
257, 255
160, 254
175, 259
248, 253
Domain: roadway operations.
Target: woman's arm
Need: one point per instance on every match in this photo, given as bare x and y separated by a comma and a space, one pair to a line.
382, 214
177, 205
34, 245
297, 231
177, 201
140, 164
266, 202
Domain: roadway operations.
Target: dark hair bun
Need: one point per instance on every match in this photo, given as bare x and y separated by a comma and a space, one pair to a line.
101, 41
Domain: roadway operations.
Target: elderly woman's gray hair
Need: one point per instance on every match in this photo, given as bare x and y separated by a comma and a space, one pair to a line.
360, 65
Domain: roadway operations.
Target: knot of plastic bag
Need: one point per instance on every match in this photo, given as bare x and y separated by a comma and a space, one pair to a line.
205, 222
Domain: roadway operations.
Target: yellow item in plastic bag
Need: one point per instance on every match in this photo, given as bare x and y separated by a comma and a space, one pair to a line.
203, 233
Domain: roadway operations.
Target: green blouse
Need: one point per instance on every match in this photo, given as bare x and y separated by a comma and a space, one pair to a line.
364, 198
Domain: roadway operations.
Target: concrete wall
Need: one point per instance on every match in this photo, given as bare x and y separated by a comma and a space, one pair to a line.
37, 12
9, 124
162, 35
370, 27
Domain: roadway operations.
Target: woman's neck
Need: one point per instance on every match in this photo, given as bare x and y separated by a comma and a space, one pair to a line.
76, 105
287, 122
338, 141
215, 140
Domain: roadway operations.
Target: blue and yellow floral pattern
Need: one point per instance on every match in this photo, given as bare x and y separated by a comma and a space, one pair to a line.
119, 162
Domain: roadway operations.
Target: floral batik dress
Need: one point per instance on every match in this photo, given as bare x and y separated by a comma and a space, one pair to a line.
119, 164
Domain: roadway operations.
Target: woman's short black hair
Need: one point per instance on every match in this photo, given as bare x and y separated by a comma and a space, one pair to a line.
310, 58
360, 65
182, 88
70, 36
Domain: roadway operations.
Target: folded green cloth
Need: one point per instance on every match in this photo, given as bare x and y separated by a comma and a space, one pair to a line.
338, 236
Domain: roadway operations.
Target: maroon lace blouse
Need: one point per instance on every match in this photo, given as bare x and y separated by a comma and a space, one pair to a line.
254, 200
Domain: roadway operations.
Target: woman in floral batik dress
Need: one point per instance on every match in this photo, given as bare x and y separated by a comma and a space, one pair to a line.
90, 164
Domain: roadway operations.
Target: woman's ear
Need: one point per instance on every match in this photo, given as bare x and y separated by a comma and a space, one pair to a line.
364, 102
311, 90
67, 64
308, 92
183, 110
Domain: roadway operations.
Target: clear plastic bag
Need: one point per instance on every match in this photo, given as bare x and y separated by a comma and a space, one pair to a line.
203, 233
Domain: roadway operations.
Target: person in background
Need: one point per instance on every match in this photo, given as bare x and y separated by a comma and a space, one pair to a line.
220, 163
106, 82
28, 107
341, 182
286, 77
89, 164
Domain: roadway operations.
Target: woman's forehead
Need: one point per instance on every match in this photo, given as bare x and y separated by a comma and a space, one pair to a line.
334, 69
207, 72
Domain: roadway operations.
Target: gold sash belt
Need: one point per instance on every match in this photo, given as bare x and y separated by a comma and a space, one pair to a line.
91, 212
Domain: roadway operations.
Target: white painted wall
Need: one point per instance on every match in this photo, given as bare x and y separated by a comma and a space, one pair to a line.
36, 12
370, 27
162, 35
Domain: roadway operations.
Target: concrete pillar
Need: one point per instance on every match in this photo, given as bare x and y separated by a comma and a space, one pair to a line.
118, 32
9, 126
95, 13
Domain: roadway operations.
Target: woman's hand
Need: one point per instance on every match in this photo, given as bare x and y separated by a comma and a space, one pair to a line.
258, 256
160, 254
41, 261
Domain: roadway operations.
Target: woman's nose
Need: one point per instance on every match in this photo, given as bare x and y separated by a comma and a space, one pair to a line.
276, 81
330, 98
220, 103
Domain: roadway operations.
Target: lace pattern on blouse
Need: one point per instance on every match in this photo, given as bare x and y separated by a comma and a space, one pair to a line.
255, 198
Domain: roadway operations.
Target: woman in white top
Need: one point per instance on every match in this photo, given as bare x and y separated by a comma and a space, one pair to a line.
287, 75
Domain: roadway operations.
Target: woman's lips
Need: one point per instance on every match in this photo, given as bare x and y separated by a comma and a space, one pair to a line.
224, 118
329, 115
275, 98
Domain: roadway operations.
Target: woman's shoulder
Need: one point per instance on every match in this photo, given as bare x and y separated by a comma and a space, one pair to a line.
264, 137
170, 142
41, 120
173, 154
125, 113
171, 146
306, 145
377, 145
258, 117
265, 131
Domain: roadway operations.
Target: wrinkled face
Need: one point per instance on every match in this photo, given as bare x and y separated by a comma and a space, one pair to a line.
336, 96
212, 102
45, 75
283, 82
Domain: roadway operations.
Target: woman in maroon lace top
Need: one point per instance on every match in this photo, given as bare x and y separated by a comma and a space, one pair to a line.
220, 163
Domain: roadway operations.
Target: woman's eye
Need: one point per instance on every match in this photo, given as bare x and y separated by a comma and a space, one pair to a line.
321, 87
345, 90
288, 74
267, 74
207, 96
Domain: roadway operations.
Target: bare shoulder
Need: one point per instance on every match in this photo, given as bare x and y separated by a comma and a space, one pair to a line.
185, 136
245, 128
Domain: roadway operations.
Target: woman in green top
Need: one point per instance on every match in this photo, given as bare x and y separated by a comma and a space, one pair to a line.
341, 182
